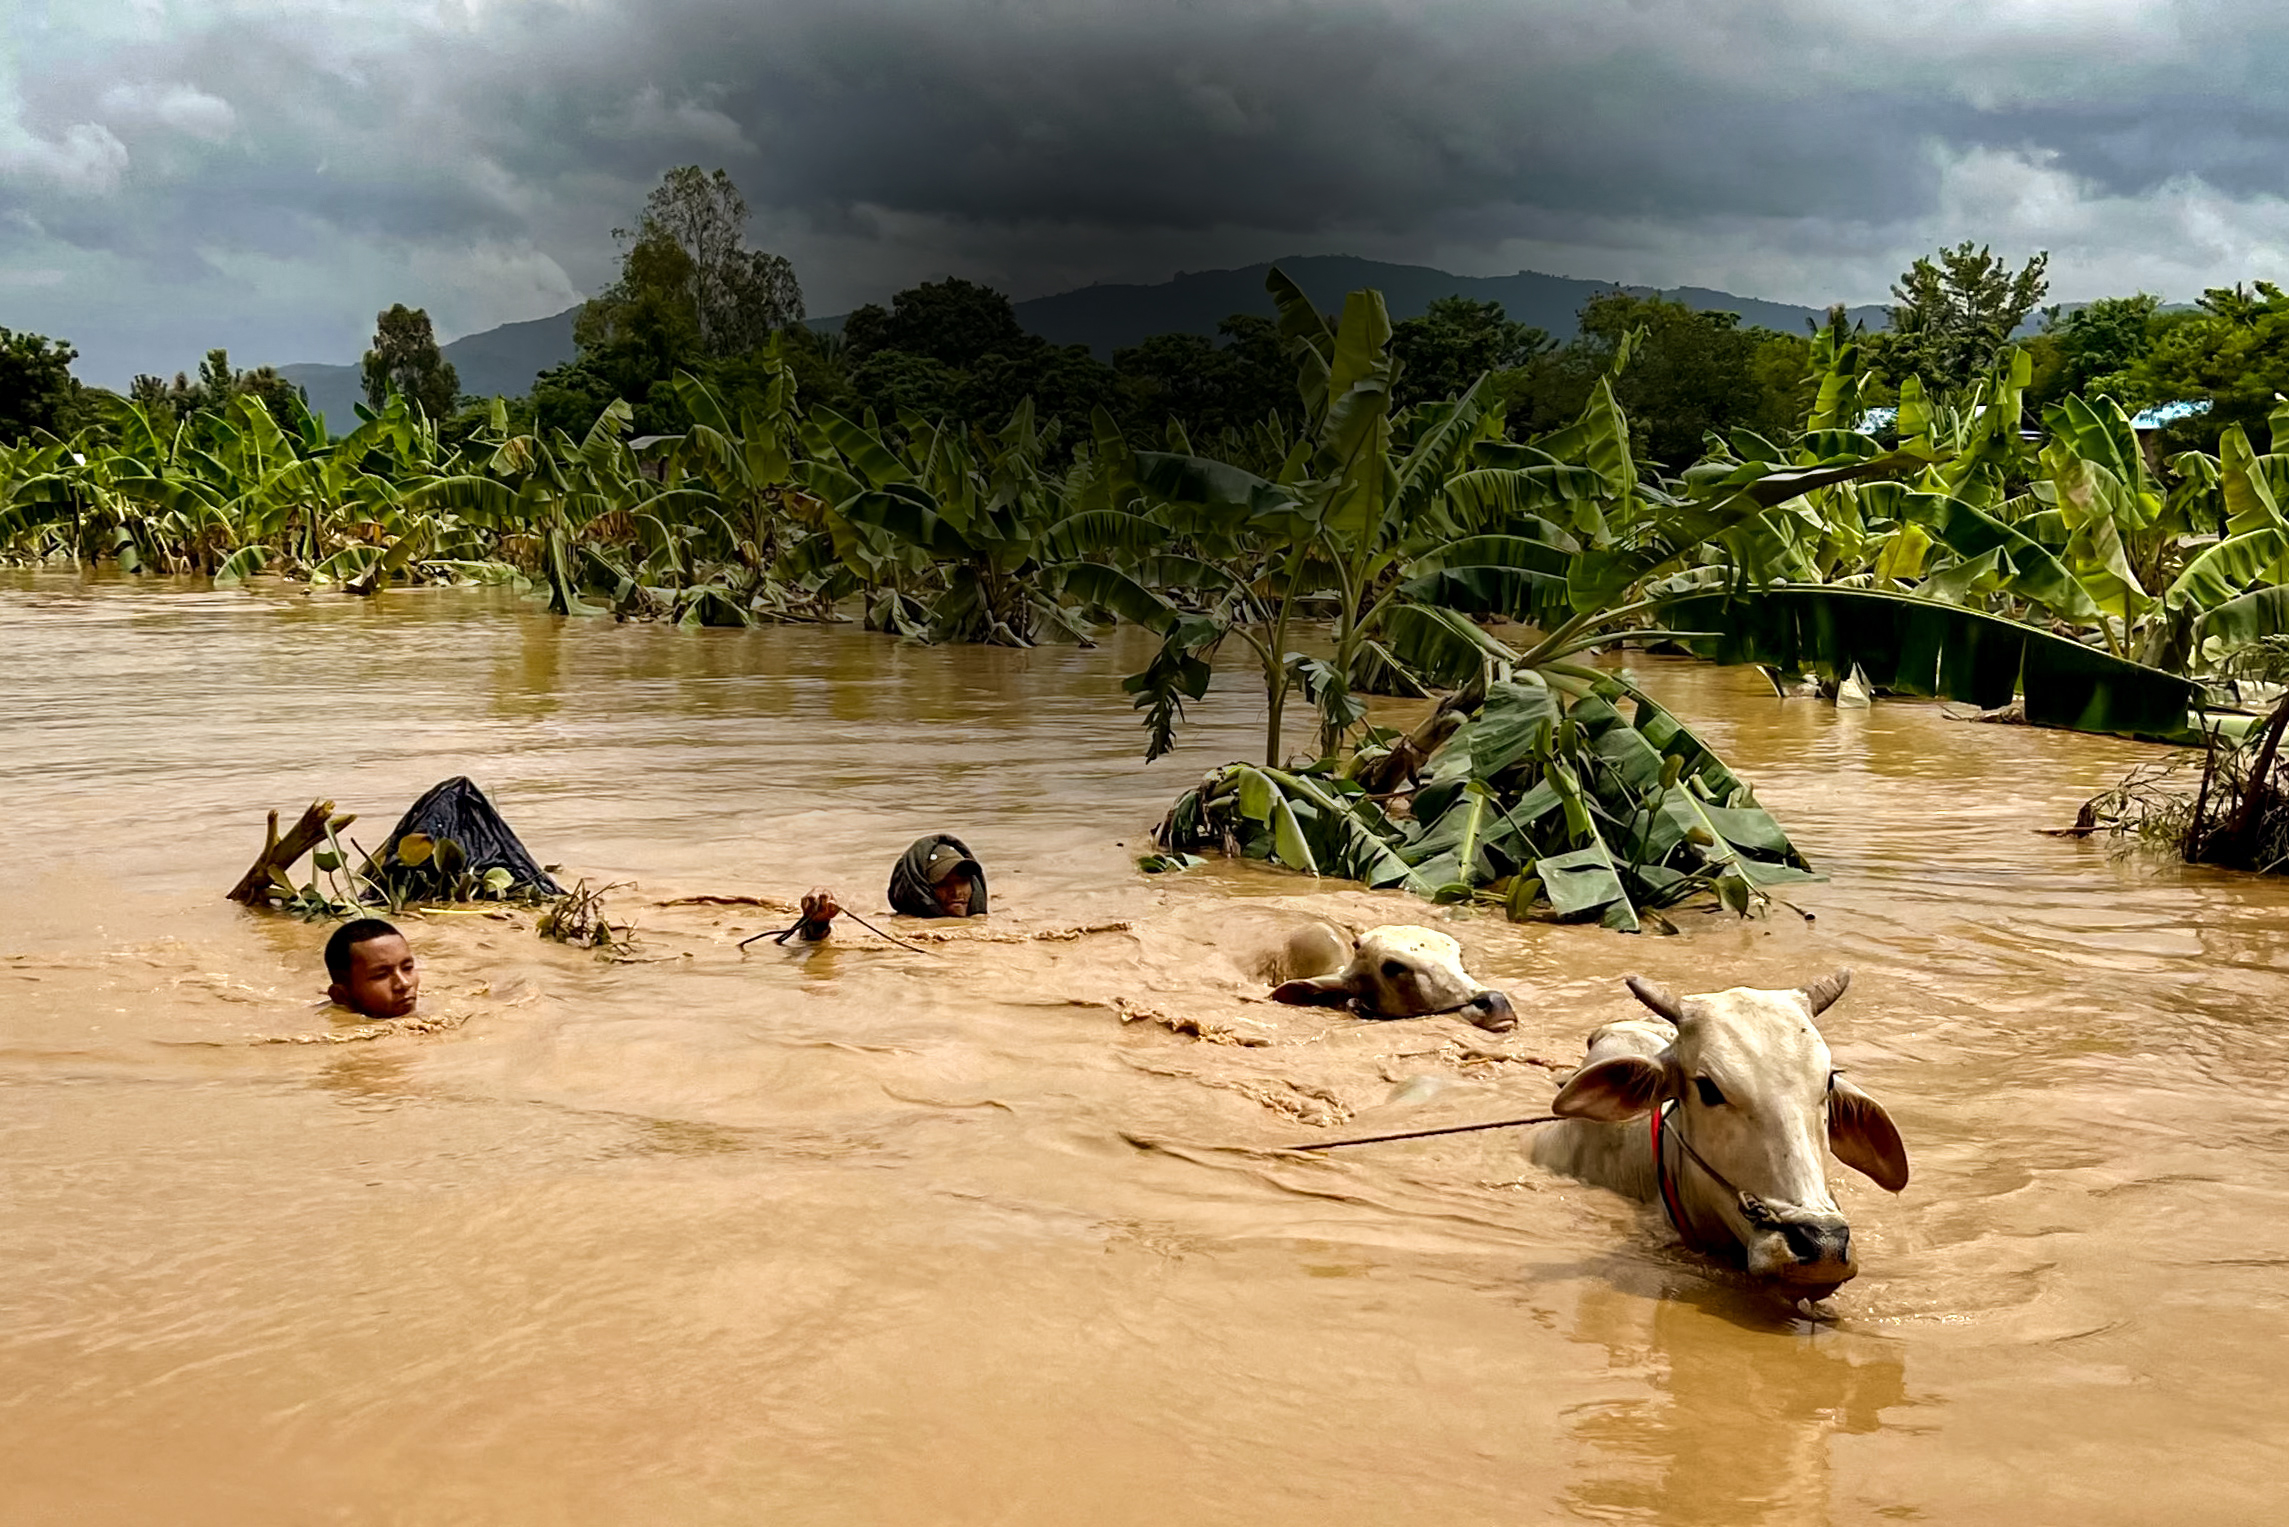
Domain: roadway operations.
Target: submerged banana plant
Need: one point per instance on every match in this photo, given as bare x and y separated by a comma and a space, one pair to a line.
1550, 800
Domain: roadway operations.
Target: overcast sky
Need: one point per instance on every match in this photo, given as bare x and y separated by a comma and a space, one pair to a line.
265, 174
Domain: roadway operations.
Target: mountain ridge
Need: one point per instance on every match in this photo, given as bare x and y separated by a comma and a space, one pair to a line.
1108, 317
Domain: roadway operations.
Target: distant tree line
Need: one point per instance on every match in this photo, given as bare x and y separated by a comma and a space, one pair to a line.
216, 384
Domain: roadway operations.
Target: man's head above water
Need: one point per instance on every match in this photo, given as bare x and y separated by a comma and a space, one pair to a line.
953, 880
938, 876
372, 969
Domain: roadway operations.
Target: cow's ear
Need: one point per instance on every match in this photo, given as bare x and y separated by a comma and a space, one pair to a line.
1863, 1136
1623, 1087
1319, 991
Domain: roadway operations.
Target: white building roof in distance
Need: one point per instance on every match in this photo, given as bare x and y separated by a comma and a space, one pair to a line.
2170, 413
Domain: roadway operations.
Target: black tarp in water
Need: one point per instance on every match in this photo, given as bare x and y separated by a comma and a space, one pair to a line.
457, 812
910, 880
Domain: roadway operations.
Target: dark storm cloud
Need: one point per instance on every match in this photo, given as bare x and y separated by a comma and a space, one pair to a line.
299, 163
2129, 148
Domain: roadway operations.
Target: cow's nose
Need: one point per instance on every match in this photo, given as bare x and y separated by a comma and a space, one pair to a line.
1818, 1244
1491, 1011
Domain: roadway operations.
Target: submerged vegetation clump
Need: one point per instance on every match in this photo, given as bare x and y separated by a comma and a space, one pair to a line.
578, 918
1546, 798
451, 846
2225, 806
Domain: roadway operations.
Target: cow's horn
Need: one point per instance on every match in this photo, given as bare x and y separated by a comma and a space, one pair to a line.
1656, 997
1822, 994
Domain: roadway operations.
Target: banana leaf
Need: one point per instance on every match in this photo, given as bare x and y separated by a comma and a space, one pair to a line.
1490, 496
1510, 724
1599, 578
242, 564
1452, 849
862, 448
2222, 571
916, 523
1440, 646
1920, 647
1209, 484
2251, 617
1598, 440
1586, 880
1107, 588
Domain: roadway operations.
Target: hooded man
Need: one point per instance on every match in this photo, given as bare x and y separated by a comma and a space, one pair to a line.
937, 877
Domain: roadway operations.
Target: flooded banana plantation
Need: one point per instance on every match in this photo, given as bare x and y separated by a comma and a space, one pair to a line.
1041, 1216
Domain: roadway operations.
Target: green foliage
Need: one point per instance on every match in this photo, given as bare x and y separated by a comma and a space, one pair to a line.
954, 322
894, 383
1064, 384
2232, 353
2093, 349
1338, 543
1687, 373
690, 298
1214, 390
953, 349
1923, 647
1337, 527
1952, 316
1454, 343
187, 401
405, 361
1550, 798
413, 870
687, 268
570, 397
37, 388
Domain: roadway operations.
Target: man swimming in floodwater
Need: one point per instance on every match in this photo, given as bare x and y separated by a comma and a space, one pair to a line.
938, 877
373, 970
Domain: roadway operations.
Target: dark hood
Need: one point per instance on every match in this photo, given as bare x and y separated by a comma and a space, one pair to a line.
910, 878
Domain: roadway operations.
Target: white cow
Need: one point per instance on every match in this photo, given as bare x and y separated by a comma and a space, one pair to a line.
1403, 971
1720, 1111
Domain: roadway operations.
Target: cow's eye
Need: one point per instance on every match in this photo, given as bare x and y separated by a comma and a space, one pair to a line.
1393, 970
1712, 1096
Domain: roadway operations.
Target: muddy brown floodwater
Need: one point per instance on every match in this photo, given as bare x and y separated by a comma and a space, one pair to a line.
857, 1235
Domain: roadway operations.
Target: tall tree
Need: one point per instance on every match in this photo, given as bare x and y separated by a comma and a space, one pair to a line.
37, 389
954, 349
738, 297
405, 359
1950, 317
639, 331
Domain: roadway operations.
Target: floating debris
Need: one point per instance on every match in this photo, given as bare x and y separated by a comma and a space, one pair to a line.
578, 918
